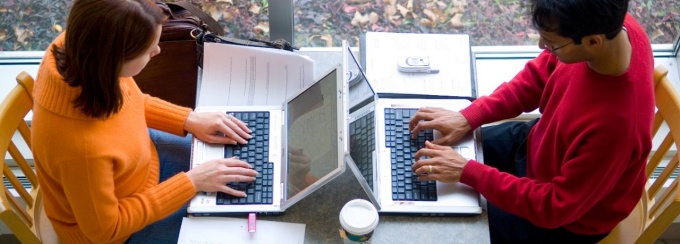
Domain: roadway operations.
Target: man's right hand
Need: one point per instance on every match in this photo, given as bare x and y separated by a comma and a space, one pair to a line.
452, 125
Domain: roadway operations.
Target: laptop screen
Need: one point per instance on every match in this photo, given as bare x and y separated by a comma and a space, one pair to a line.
312, 134
361, 127
360, 90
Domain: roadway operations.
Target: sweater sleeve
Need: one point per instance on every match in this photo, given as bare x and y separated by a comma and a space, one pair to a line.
510, 99
165, 116
91, 192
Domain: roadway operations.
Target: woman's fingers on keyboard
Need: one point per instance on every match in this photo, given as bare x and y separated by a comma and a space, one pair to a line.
234, 133
232, 192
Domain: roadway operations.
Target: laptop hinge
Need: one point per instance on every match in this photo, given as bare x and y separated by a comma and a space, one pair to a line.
283, 193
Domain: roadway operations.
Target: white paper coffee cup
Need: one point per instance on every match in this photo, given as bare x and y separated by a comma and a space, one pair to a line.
359, 218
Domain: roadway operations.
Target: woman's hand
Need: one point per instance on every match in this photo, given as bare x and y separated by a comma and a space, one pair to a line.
452, 125
442, 163
213, 175
217, 127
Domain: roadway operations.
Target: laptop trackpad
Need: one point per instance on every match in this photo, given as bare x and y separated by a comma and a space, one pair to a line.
213, 151
458, 193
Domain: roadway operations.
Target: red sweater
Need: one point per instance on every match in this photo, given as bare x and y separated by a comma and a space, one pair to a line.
586, 155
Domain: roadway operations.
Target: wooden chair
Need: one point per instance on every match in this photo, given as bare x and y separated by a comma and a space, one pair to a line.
660, 203
23, 215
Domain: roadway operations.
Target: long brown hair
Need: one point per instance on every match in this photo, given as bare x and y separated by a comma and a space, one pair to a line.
101, 35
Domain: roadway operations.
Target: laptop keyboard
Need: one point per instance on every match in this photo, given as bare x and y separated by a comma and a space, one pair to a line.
362, 145
256, 152
405, 184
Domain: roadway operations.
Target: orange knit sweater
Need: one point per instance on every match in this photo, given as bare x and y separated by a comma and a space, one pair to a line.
100, 176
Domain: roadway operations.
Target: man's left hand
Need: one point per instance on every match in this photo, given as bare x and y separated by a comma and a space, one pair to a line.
443, 163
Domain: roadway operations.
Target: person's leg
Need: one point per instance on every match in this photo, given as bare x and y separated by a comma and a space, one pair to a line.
505, 148
509, 228
174, 153
503, 143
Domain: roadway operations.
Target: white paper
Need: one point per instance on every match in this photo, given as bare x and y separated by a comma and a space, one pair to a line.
217, 230
450, 54
243, 76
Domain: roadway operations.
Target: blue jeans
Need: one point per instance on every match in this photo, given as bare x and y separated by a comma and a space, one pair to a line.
505, 148
174, 153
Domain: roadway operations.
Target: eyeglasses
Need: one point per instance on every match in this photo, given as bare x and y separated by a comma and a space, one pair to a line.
552, 50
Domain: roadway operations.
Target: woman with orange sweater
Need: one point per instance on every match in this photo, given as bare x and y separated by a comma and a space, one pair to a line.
97, 138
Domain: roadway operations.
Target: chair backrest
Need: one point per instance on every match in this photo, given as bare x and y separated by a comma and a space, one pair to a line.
662, 194
660, 203
21, 214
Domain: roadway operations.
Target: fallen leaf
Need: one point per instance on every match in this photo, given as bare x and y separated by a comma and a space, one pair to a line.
3, 35
373, 18
409, 4
427, 22
349, 9
226, 1
57, 28
396, 20
215, 13
254, 9
458, 7
533, 36
326, 38
22, 34
390, 10
430, 15
359, 19
455, 21
261, 27
656, 34
403, 10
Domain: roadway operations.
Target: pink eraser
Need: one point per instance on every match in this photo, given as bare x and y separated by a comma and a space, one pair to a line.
251, 222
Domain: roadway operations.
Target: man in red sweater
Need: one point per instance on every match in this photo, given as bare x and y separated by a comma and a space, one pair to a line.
573, 175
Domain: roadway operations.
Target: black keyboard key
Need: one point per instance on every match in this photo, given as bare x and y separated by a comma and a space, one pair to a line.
255, 152
402, 147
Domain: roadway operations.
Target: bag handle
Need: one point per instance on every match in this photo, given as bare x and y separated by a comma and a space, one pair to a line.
212, 24
276, 44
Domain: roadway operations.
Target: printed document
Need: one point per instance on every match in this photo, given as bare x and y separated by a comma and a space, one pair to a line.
243, 76
448, 53
217, 230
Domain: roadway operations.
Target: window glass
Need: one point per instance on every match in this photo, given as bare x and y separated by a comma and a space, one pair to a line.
29, 25
488, 22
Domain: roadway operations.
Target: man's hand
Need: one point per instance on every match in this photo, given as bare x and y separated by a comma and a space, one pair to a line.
217, 127
452, 125
213, 175
444, 164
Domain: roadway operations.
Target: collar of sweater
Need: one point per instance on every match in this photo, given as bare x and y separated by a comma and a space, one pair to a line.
54, 94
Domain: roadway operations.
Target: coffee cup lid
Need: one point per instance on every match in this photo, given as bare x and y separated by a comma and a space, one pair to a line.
359, 217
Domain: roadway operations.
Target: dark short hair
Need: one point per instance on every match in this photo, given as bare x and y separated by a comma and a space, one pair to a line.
100, 36
578, 18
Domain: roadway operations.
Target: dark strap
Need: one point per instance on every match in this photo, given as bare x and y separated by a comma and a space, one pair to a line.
212, 23
277, 44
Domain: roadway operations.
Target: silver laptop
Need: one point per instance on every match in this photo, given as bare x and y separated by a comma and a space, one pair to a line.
381, 151
296, 148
